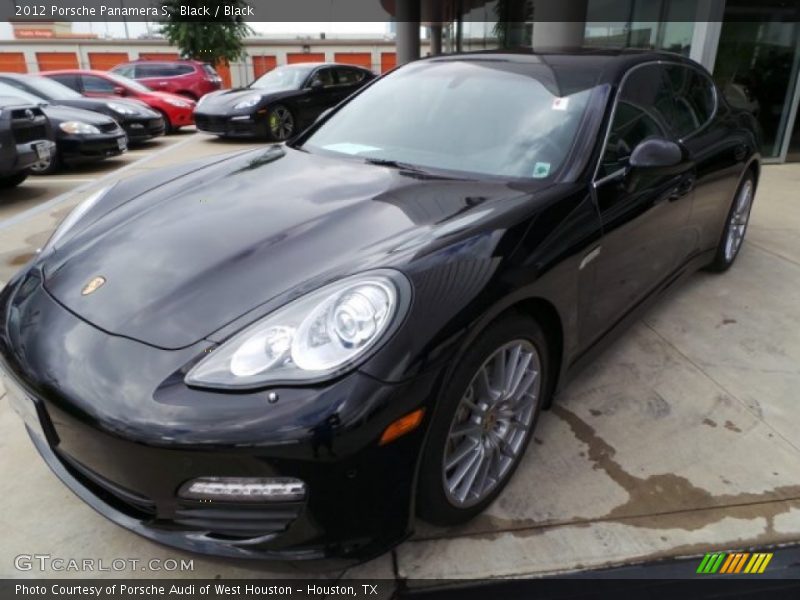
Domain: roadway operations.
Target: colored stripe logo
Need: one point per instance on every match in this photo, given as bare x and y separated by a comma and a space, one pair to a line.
733, 563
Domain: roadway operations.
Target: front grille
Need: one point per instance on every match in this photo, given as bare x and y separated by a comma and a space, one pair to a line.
237, 520
127, 501
108, 127
156, 123
210, 123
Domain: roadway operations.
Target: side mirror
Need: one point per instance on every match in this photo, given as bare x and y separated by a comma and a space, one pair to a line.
656, 153
316, 85
119, 90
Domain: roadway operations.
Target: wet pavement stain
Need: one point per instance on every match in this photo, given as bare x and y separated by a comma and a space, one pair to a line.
730, 426
676, 502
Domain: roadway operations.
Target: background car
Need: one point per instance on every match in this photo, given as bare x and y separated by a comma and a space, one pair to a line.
176, 110
80, 135
280, 103
139, 122
190, 78
25, 138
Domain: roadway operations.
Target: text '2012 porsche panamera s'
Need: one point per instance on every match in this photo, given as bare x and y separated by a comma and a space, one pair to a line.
291, 352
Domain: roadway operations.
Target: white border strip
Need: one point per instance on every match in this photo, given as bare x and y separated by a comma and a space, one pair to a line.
49, 204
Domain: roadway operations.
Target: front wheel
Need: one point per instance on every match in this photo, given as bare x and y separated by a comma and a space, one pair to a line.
484, 421
47, 166
735, 226
280, 123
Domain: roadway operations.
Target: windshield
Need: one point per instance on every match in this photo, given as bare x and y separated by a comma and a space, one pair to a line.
14, 92
492, 117
51, 90
129, 83
282, 78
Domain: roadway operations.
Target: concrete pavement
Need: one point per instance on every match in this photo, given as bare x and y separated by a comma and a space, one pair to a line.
682, 439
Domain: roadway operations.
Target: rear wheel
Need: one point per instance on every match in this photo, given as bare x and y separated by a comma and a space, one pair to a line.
13, 180
735, 226
280, 123
484, 422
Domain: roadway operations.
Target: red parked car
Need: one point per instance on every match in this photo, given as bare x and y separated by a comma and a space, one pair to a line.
190, 78
177, 110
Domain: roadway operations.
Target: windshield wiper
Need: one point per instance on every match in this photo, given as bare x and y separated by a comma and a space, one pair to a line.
387, 162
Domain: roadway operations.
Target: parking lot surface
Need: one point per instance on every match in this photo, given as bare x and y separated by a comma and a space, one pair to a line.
681, 440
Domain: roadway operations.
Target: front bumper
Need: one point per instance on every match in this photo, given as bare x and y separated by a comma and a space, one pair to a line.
126, 451
140, 129
78, 148
245, 126
21, 157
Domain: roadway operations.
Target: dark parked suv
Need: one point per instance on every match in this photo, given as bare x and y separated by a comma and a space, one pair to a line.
25, 139
190, 78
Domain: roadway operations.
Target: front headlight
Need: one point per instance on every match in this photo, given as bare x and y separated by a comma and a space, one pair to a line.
120, 108
78, 127
74, 217
249, 101
178, 103
318, 336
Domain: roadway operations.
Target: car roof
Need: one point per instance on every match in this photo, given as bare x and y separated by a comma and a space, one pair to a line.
610, 64
74, 72
315, 65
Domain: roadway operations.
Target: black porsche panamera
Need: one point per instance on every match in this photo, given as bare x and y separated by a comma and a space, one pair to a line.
293, 351
280, 103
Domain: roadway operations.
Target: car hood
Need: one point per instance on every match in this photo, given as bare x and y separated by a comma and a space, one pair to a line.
60, 114
191, 255
227, 99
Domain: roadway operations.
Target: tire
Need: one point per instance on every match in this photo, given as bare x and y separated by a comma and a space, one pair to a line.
280, 123
442, 497
14, 180
736, 222
47, 167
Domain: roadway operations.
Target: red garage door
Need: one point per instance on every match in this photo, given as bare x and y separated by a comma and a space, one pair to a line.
362, 59
13, 62
263, 64
49, 61
304, 57
104, 61
388, 61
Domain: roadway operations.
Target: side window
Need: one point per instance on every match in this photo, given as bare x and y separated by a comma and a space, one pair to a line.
71, 81
98, 85
323, 75
694, 99
347, 76
639, 114
183, 70
125, 71
150, 70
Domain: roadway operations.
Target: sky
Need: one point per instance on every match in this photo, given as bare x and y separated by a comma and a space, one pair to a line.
282, 29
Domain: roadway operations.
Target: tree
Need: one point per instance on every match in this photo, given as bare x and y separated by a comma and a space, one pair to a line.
213, 39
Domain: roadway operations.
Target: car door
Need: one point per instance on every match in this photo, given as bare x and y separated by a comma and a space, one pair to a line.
321, 94
713, 139
150, 75
644, 213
